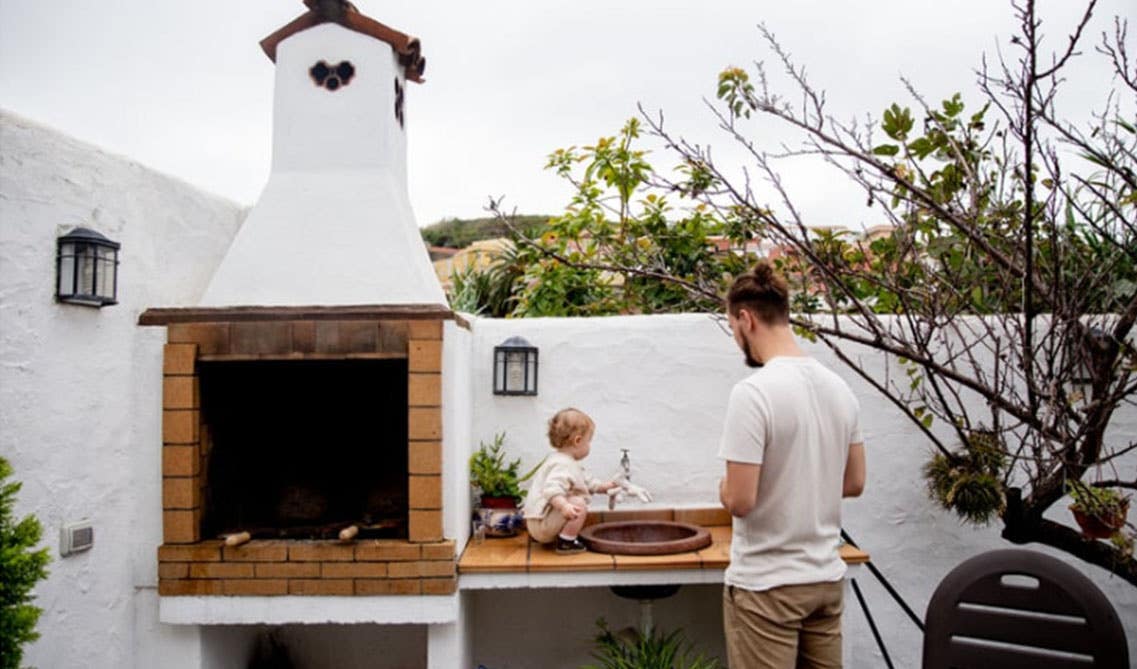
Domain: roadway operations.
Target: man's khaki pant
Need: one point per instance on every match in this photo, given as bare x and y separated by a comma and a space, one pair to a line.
791, 627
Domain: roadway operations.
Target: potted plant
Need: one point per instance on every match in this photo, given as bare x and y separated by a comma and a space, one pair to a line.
1100, 511
499, 485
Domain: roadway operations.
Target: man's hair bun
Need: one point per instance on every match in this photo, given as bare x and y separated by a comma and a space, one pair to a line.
763, 291
763, 272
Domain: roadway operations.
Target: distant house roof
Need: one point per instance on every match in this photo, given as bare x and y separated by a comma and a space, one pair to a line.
345, 14
878, 231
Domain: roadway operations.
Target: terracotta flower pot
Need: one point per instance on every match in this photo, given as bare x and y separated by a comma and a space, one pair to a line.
490, 502
1100, 527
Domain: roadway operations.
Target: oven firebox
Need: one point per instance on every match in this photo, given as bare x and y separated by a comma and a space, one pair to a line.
291, 428
305, 448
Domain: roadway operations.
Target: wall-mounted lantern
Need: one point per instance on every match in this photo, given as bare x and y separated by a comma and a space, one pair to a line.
86, 268
515, 367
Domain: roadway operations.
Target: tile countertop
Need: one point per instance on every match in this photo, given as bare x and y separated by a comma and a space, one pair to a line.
517, 562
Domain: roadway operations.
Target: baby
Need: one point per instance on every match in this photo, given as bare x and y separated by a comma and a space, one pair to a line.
557, 504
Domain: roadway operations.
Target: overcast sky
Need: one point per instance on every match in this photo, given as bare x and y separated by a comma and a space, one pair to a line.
183, 87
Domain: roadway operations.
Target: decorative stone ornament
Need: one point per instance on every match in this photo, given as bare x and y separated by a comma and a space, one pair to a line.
330, 77
515, 368
86, 269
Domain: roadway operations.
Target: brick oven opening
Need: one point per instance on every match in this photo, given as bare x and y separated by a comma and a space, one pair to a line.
304, 448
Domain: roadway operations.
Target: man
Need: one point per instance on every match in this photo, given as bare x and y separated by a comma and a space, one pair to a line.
793, 448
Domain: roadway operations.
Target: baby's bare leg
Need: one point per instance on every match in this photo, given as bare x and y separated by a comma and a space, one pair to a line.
573, 527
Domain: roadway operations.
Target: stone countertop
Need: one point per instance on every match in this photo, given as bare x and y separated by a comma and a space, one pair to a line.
498, 561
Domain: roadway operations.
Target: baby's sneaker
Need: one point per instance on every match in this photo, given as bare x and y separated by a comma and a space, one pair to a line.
568, 546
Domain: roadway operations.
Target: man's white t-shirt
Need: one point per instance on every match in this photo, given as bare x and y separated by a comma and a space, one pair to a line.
795, 418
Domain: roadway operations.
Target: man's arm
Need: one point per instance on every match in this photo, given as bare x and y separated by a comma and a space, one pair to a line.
738, 491
854, 483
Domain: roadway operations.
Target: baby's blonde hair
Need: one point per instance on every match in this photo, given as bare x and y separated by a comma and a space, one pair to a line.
566, 424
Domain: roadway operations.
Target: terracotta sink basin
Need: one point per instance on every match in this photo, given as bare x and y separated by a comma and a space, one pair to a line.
645, 537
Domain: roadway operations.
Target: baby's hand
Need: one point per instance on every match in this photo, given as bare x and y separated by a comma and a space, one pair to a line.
615, 496
625, 488
571, 511
637, 491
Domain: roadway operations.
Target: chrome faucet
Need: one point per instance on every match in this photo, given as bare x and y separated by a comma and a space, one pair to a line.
626, 465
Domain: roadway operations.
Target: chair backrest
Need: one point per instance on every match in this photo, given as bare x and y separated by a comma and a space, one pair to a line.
1014, 609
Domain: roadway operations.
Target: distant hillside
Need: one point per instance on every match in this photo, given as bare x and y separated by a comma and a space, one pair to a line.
457, 233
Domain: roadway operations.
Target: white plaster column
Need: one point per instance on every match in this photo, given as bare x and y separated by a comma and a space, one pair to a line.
450, 644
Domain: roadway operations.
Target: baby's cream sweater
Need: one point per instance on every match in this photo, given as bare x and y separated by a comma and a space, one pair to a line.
561, 474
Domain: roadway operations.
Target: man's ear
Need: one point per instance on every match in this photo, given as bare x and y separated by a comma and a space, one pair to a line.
745, 319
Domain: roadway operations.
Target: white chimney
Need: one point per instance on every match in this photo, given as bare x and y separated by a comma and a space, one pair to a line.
333, 225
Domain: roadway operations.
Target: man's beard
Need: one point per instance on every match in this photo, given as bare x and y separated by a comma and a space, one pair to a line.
751, 361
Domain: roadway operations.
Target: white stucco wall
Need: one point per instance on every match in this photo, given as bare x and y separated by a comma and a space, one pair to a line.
457, 422
80, 388
80, 393
658, 385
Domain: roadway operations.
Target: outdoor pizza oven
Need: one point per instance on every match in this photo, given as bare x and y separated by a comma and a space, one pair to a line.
302, 394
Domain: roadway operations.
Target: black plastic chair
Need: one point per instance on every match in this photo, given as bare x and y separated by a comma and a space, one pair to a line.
1013, 609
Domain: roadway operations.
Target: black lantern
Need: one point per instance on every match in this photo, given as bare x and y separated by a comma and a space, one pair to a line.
86, 268
515, 368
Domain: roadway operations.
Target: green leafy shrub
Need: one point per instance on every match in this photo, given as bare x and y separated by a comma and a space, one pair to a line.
459, 233
655, 651
488, 291
20, 569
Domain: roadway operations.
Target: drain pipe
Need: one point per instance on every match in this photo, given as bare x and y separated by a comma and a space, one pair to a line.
646, 622
646, 596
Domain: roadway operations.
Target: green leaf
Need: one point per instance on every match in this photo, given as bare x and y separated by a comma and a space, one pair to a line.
897, 122
953, 106
921, 147
886, 150
977, 294
976, 122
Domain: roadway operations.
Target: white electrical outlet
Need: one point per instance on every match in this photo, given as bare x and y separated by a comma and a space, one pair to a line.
76, 537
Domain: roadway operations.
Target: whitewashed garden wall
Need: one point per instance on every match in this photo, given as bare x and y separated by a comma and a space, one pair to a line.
80, 409
658, 386
80, 388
